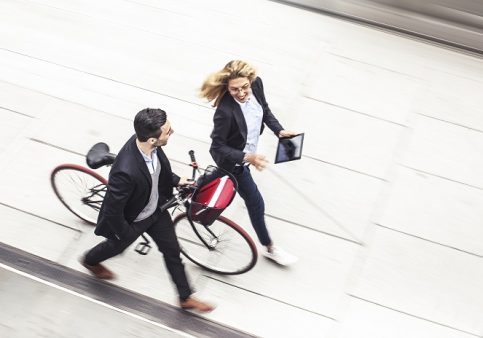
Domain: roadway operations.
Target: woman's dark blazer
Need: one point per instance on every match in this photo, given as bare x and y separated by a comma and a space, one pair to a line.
129, 188
229, 135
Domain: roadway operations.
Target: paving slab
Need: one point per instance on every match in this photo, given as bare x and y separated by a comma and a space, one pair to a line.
424, 279
445, 212
360, 316
446, 150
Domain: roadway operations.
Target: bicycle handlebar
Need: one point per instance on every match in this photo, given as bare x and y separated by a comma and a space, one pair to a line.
192, 156
184, 192
171, 202
193, 163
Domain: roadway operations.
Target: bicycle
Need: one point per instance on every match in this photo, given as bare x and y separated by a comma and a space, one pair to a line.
221, 247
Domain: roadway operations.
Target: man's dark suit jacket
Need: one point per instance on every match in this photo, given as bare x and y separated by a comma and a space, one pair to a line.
129, 188
229, 135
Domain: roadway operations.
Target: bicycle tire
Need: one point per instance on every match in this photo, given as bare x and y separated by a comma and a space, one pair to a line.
80, 190
231, 252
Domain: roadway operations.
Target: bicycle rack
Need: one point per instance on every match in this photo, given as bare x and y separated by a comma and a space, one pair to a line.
143, 247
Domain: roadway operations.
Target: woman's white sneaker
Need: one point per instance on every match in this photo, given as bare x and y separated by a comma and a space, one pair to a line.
280, 256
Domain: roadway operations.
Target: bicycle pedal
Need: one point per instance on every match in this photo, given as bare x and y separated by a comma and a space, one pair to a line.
142, 248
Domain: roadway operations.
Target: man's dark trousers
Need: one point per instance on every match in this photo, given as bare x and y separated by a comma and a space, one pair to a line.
160, 228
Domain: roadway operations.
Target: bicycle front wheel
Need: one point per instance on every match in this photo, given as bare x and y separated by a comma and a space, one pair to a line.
80, 189
223, 247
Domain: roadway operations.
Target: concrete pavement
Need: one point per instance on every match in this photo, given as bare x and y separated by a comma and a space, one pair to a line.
383, 211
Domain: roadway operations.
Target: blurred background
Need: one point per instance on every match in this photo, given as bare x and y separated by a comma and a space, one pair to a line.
384, 210
455, 23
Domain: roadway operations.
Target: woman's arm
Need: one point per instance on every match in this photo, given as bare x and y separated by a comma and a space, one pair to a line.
268, 118
220, 135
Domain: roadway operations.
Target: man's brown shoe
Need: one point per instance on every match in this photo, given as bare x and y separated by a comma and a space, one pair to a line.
194, 304
99, 270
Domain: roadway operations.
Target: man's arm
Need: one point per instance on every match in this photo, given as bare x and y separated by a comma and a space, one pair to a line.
119, 189
176, 180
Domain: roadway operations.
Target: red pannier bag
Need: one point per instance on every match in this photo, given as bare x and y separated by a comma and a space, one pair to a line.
215, 192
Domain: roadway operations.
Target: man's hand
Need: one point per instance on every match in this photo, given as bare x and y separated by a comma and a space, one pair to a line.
257, 160
185, 181
287, 133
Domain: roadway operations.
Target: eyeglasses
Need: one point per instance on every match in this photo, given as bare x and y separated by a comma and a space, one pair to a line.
243, 88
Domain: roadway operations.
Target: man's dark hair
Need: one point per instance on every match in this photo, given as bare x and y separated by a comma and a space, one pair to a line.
148, 122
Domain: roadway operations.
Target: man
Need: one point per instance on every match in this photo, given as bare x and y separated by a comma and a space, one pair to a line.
139, 182
240, 116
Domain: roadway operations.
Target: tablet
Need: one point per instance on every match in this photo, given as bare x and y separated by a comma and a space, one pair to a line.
289, 148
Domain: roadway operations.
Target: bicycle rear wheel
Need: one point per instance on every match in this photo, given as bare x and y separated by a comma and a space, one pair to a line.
223, 247
80, 189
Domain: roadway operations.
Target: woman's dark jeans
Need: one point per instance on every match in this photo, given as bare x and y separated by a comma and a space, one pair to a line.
254, 202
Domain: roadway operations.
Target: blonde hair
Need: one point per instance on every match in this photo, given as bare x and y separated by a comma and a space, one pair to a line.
216, 84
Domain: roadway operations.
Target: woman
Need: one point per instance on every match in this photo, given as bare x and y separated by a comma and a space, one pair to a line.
241, 114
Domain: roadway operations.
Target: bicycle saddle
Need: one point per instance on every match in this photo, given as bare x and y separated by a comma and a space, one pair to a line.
99, 156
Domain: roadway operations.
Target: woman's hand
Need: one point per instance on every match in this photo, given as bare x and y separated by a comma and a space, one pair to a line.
287, 133
257, 160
